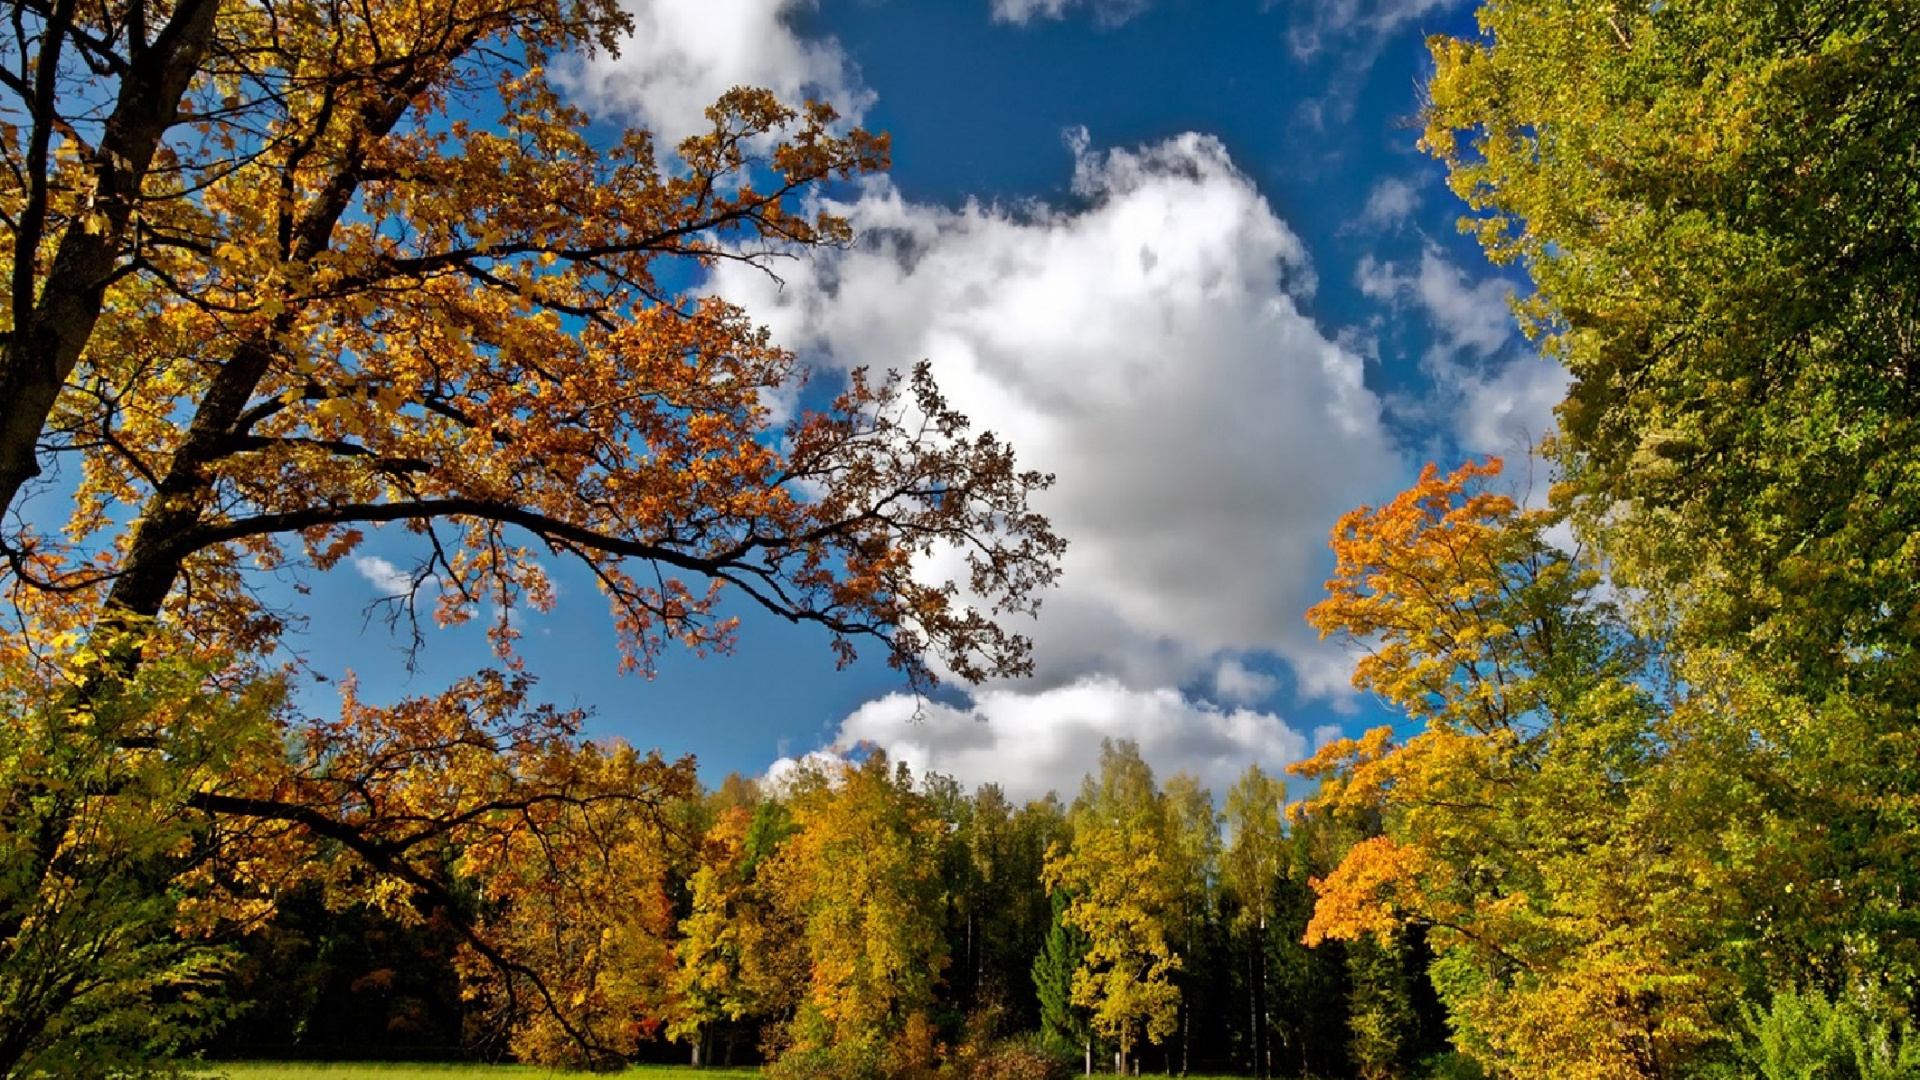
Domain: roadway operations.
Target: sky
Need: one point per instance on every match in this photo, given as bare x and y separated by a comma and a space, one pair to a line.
1182, 254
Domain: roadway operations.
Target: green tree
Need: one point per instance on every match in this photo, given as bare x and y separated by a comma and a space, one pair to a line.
1063, 1022
1716, 202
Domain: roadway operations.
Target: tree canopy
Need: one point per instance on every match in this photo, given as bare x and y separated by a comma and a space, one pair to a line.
278, 275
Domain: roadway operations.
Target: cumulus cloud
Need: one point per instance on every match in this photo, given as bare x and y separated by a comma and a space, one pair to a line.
1234, 682
1032, 743
681, 57
1495, 399
1511, 407
1105, 12
1148, 349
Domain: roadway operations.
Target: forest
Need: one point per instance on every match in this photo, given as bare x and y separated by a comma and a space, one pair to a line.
280, 273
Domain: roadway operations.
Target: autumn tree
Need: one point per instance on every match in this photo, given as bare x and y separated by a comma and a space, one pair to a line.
1529, 824
278, 275
718, 938
861, 876
1118, 873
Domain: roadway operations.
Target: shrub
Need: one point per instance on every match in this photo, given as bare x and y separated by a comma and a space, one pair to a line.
1023, 1058
1806, 1037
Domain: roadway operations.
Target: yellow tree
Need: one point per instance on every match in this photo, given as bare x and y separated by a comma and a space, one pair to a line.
283, 274
1119, 873
724, 940
862, 876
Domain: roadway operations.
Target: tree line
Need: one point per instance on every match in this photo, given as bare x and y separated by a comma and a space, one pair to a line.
853, 920
281, 274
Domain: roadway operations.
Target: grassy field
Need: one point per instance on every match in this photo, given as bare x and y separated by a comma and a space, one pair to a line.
274, 1070
269, 1070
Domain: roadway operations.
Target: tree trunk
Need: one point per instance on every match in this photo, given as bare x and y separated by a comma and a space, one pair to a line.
55, 315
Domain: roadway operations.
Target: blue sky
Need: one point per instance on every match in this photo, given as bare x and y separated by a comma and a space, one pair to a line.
1183, 254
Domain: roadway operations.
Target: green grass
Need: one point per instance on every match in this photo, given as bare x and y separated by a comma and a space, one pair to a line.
342, 1070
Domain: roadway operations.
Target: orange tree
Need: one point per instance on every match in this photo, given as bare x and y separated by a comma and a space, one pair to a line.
283, 272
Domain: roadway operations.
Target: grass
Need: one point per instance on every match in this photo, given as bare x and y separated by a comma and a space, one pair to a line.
342, 1070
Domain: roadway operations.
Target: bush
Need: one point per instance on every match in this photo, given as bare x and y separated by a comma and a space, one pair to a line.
855, 1061
1023, 1058
1806, 1037
1451, 1066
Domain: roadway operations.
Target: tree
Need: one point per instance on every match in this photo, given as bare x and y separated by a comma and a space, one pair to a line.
1532, 824
1251, 870
1062, 1022
1123, 896
862, 877
1193, 833
1715, 205
718, 937
96, 976
278, 275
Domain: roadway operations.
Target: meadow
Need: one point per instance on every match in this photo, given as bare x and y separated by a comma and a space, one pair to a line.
400, 1071
340, 1070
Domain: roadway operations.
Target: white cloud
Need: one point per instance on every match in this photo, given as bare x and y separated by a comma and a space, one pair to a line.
1030, 744
386, 578
1391, 202
1149, 351
682, 56
1495, 399
1105, 12
1509, 409
1318, 23
1233, 681
1468, 315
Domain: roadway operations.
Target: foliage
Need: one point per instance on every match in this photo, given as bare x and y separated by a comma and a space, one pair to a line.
1382, 1021
1062, 1022
1803, 1036
1027, 1058
721, 938
859, 877
97, 977
280, 275
1576, 903
1716, 205
1119, 874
